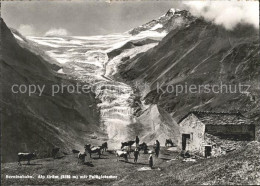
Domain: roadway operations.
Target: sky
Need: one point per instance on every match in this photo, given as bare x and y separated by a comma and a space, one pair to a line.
226, 13
80, 17
98, 17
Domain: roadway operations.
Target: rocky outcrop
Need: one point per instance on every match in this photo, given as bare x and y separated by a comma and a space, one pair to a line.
156, 124
129, 45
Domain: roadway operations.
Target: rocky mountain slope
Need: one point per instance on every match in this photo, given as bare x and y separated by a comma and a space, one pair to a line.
155, 124
39, 122
167, 22
198, 53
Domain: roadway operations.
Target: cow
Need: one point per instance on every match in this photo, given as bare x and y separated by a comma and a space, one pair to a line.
55, 152
92, 149
169, 141
127, 144
25, 156
143, 146
128, 150
121, 153
104, 147
81, 157
74, 151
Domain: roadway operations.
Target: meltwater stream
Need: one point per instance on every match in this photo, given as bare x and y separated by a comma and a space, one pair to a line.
86, 59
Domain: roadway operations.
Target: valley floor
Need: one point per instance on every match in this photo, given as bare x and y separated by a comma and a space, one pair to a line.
238, 167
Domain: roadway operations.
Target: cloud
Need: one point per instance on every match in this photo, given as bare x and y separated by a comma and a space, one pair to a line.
27, 30
226, 13
57, 32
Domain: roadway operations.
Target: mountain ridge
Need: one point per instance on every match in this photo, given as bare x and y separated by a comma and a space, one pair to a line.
36, 122
198, 53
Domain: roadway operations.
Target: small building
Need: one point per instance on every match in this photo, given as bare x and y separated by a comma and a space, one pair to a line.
210, 133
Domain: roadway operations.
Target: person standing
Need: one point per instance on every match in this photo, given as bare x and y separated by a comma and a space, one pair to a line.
137, 141
150, 159
136, 154
157, 148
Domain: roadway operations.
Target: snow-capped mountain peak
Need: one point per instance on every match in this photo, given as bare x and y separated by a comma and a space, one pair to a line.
170, 20
170, 12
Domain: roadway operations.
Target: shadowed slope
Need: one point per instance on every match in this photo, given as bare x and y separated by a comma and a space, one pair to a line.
39, 122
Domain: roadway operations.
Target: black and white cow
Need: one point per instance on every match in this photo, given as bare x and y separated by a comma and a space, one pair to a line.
92, 149
25, 156
122, 153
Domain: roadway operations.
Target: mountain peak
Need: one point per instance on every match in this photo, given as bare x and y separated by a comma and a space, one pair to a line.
171, 11
172, 19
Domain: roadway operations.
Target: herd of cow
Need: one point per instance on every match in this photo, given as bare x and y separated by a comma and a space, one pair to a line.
124, 152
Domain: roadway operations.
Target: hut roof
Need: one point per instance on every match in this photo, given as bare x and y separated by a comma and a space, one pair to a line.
220, 118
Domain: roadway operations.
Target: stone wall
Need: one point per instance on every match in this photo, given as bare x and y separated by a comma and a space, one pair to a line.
191, 125
234, 132
222, 146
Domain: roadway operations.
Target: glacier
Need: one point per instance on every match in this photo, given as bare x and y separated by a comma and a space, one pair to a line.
85, 58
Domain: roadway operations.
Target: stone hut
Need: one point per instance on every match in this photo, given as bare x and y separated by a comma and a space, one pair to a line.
211, 133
